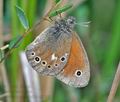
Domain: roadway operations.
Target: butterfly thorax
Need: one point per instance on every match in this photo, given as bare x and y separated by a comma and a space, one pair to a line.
65, 25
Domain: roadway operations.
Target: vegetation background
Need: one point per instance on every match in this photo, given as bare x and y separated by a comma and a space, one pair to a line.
101, 40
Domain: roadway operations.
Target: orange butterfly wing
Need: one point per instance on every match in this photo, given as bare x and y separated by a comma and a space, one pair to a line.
76, 72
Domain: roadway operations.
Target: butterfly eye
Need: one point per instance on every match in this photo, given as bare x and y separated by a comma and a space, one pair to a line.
44, 63
37, 59
78, 73
63, 58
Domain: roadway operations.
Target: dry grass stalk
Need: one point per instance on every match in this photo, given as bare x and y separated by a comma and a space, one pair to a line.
46, 82
114, 85
31, 80
2, 67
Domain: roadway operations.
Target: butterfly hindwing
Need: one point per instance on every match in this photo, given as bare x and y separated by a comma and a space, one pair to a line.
76, 72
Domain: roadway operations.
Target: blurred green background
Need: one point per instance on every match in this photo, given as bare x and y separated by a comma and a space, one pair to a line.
101, 40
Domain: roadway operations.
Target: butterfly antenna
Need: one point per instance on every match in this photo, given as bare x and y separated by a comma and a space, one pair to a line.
84, 24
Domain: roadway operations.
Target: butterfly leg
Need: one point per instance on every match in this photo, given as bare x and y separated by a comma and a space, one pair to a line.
59, 14
48, 19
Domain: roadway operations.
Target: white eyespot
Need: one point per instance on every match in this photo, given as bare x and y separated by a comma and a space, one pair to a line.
78, 73
53, 57
37, 59
43, 63
63, 58
33, 53
66, 54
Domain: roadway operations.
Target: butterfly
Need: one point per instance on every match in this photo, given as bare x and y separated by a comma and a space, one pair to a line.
58, 51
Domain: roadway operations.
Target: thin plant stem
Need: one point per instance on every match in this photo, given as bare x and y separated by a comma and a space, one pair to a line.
4, 95
114, 85
4, 47
3, 72
6, 83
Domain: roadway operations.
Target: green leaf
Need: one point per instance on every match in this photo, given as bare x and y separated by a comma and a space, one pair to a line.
14, 43
60, 10
1, 55
22, 17
57, 1
64, 8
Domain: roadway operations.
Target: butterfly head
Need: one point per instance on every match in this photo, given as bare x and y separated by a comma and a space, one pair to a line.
65, 24
70, 22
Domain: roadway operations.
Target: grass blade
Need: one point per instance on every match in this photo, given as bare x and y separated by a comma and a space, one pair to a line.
13, 42
22, 17
60, 10
57, 1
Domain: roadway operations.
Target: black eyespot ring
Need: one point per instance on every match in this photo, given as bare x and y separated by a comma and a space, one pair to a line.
44, 63
63, 59
32, 53
56, 65
62, 70
49, 66
78, 73
37, 59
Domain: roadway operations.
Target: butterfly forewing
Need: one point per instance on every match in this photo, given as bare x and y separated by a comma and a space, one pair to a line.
76, 72
49, 52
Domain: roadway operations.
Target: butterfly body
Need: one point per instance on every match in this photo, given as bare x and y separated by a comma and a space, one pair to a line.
58, 51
